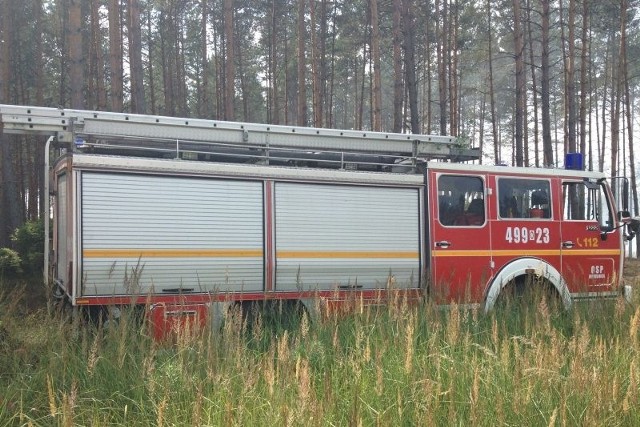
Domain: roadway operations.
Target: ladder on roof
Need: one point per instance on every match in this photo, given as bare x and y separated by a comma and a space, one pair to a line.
118, 133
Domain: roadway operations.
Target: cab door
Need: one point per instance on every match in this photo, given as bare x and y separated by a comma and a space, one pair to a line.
459, 236
590, 247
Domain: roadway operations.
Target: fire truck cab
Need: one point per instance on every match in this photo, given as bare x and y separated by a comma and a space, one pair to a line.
496, 226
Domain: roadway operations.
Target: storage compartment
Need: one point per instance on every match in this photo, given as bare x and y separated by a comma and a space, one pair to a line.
346, 237
171, 321
151, 234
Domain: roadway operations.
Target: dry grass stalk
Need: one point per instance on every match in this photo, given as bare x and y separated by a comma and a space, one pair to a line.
453, 325
304, 383
409, 345
475, 396
161, 410
196, 417
631, 397
92, 360
53, 408
634, 327
69, 405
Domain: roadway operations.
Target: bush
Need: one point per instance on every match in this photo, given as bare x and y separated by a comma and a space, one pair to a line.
10, 263
29, 239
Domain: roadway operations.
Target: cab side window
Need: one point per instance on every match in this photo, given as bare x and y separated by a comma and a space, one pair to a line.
524, 198
583, 201
461, 201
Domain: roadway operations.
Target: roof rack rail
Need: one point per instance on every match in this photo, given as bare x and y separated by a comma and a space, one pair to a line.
224, 141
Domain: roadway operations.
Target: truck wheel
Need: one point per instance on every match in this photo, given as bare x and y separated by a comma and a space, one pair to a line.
527, 292
104, 316
272, 314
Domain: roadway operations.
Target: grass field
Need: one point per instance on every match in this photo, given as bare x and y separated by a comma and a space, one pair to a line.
394, 366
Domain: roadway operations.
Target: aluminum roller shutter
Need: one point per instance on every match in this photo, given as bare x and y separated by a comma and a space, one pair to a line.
146, 233
328, 236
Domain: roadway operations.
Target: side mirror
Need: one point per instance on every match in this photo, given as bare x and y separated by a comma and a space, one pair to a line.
624, 216
633, 227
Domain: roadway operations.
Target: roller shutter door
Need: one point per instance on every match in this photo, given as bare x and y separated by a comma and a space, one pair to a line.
154, 234
334, 236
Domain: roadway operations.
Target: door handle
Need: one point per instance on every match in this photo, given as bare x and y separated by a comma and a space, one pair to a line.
443, 244
568, 244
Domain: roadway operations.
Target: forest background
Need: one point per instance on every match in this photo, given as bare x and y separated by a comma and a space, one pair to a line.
525, 80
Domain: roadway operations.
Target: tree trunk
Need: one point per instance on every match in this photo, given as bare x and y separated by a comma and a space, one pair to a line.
289, 96
547, 146
150, 60
426, 121
165, 56
5, 50
608, 79
9, 190
115, 56
617, 87
377, 79
96, 96
203, 76
138, 104
244, 95
11, 197
315, 67
632, 160
5, 73
452, 67
483, 112
397, 67
62, 17
440, 53
322, 46
571, 84
302, 84
615, 126
230, 77
330, 119
273, 108
593, 118
181, 68
37, 149
520, 84
628, 110
492, 98
410, 64
76, 60
218, 66
584, 82
534, 90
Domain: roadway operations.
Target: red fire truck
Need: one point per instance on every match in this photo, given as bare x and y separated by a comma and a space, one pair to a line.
190, 217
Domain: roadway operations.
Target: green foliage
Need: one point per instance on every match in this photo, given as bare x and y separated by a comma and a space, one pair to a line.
29, 240
10, 263
382, 366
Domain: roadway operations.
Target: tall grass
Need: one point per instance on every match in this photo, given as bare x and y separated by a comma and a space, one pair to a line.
529, 365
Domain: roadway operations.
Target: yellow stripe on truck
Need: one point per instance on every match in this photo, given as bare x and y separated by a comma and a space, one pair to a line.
243, 253
348, 254
172, 253
539, 252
